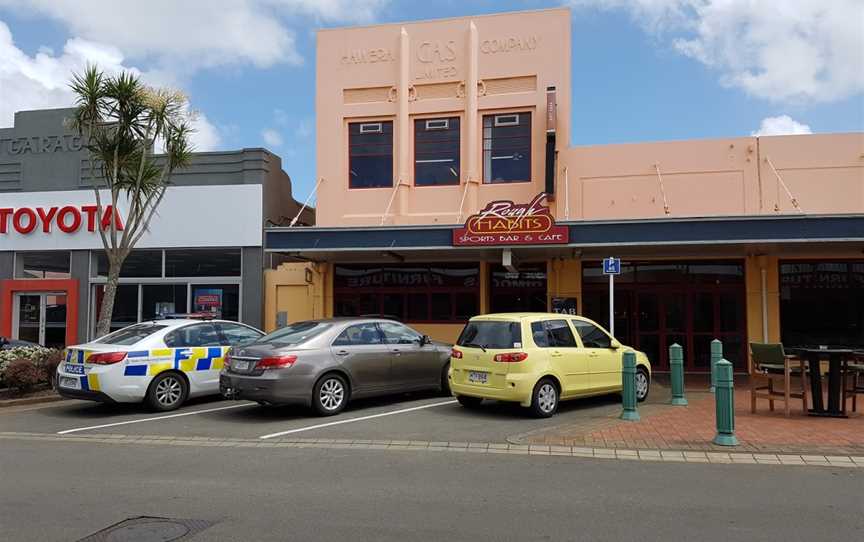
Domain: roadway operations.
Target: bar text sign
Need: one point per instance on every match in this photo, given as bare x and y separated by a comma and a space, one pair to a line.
508, 223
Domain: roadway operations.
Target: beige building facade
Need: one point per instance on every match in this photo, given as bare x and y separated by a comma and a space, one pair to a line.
431, 135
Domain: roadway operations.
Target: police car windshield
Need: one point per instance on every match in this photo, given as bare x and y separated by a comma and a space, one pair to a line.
297, 333
130, 335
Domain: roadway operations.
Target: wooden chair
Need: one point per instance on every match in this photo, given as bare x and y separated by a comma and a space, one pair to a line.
771, 363
855, 377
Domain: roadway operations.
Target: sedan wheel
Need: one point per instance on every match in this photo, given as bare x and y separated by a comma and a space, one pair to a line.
643, 383
167, 392
330, 395
544, 402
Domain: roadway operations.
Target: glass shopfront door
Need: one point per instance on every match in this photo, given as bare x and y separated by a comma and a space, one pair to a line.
40, 318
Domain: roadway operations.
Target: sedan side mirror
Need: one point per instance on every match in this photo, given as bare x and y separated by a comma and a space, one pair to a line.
614, 344
424, 340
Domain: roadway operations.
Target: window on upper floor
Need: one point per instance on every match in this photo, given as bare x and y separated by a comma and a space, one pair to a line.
436, 151
507, 148
370, 154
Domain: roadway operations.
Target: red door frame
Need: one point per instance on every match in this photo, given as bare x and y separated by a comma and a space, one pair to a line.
10, 287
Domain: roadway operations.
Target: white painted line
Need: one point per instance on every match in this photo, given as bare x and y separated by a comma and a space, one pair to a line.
77, 429
352, 420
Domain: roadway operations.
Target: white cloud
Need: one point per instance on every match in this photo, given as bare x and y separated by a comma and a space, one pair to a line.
41, 81
789, 51
271, 137
195, 34
782, 125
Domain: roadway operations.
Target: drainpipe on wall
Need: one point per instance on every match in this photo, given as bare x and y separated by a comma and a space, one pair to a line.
764, 303
472, 120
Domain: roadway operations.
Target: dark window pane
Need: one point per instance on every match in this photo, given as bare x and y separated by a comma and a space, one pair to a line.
42, 265
131, 335
370, 154
418, 307
731, 312
219, 300
393, 306
660, 272
161, 299
649, 312
592, 272
125, 305
507, 148
356, 304
398, 334
560, 334
675, 306
539, 334
650, 344
703, 312
465, 306
521, 291
138, 264
702, 351
717, 273
436, 151
361, 334
193, 335
591, 335
202, 263
491, 334
441, 308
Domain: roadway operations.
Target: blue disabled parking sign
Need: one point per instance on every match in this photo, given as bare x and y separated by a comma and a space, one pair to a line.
612, 266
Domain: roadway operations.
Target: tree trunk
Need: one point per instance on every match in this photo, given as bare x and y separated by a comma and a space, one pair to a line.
103, 326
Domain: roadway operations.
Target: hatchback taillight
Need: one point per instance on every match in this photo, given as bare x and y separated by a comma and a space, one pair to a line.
106, 358
511, 357
277, 362
456, 353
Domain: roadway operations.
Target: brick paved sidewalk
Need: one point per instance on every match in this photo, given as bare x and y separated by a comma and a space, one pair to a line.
665, 427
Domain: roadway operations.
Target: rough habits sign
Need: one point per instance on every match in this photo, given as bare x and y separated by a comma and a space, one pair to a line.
508, 223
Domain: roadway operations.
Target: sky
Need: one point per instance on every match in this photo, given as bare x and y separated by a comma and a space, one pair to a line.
643, 70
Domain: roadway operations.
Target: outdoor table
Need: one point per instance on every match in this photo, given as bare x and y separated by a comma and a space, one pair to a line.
838, 360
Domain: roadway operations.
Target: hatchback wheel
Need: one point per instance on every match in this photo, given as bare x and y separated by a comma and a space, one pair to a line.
544, 400
330, 395
445, 380
167, 392
643, 383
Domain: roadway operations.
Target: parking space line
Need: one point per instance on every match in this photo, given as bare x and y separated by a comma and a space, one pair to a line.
77, 429
351, 420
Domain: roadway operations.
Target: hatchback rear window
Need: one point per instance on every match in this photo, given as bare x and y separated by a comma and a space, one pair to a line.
491, 334
297, 333
130, 335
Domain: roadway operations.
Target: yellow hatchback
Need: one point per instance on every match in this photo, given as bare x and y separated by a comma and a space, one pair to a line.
537, 360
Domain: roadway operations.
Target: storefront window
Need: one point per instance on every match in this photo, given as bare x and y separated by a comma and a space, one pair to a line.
138, 264
42, 265
125, 305
822, 303
507, 148
202, 263
523, 290
436, 151
370, 154
220, 300
162, 299
408, 292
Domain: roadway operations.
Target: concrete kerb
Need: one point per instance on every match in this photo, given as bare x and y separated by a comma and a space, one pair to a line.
675, 456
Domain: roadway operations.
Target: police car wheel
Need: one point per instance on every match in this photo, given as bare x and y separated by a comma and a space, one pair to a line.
167, 392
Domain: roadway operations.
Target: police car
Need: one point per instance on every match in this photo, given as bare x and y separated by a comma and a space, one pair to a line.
162, 362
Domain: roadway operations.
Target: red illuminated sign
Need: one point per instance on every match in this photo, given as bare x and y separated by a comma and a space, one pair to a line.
67, 219
508, 223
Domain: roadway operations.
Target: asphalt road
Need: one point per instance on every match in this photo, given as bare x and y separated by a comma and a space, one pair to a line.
63, 491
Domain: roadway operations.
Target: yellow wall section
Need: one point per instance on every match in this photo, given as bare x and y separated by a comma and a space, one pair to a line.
564, 280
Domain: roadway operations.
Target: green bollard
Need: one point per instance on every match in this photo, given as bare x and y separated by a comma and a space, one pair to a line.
724, 398
716, 355
628, 393
676, 367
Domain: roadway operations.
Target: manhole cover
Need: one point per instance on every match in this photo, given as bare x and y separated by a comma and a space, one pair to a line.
149, 529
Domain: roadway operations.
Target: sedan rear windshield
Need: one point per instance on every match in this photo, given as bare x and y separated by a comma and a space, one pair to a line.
297, 333
130, 335
490, 334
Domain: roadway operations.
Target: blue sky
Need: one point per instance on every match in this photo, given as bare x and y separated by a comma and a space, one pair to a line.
643, 70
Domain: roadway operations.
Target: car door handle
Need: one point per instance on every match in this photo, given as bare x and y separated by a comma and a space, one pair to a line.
341, 352
556, 354
397, 352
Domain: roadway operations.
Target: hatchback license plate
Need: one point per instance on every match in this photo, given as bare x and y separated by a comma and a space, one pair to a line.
70, 382
74, 369
478, 377
240, 365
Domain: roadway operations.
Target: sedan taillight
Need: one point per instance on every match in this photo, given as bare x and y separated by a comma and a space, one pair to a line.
106, 358
278, 362
511, 357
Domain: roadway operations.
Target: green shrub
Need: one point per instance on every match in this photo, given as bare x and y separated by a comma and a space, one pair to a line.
41, 357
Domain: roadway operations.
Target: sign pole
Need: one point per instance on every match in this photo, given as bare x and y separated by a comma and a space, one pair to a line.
612, 304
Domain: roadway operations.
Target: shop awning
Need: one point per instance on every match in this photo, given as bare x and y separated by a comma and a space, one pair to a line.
313, 242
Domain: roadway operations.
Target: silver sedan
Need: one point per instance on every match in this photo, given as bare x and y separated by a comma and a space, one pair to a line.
325, 363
